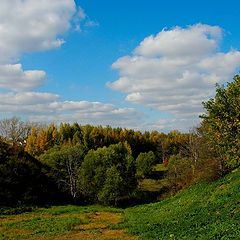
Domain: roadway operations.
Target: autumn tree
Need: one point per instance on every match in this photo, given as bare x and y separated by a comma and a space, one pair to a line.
222, 122
15, 130
179, 171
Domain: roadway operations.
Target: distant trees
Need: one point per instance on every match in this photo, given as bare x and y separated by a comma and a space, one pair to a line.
14, 130
40, 139
100, 164
162, 145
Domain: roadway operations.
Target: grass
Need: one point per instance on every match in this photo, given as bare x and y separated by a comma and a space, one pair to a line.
160, 167
152, 185
65, 222
204, 211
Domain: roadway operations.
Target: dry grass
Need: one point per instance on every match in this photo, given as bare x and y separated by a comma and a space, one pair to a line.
85, 225
99, 227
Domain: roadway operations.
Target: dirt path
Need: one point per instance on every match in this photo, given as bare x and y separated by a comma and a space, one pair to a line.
102, 225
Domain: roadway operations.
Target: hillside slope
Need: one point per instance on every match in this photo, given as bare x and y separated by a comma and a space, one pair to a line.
203, 211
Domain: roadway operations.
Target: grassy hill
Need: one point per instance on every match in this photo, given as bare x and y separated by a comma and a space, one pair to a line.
203, 211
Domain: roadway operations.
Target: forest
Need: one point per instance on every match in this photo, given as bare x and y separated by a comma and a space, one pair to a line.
46, 164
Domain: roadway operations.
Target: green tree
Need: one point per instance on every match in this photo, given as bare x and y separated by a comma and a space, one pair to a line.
103, 165
144, 164
113, 187
22, 178
65, 164
222, 122
179, 171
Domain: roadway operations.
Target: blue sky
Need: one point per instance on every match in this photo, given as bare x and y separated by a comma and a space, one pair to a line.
81, 79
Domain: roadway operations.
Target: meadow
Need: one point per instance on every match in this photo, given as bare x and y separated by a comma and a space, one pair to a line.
203, 211
64, 222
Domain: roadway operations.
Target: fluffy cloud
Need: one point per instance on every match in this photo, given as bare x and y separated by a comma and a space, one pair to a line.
27, 25
13, 77
46, 107
176, 70
30, 26
194, 41
26, 98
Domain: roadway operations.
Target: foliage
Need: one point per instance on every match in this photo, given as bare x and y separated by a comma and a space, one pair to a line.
199, 161
57, 148
108, 174
222, 122
203, 211
65, 163
14, 130
22, 178
113, 187
179, 170
41, 139
94, 137
144, 164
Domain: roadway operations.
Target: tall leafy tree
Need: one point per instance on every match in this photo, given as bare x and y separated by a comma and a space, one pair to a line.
65, 164
222, 122
145, 163
108, 174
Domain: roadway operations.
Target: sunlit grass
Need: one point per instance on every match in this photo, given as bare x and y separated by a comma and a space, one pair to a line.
64, 222
204, 211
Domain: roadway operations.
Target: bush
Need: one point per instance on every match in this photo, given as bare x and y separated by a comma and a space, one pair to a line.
180, 171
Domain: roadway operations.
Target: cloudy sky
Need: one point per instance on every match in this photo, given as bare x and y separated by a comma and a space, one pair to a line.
137, 64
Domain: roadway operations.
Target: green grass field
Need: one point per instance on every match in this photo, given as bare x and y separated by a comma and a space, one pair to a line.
65, 222
204, 211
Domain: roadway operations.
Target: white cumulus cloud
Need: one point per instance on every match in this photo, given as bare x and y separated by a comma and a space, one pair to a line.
38, 25
176, 70
13, 77
29, 25
47, 107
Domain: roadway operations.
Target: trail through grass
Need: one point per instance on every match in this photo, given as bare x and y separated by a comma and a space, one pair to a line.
65, 222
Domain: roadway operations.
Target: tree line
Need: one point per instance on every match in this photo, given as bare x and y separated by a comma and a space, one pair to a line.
95, 164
